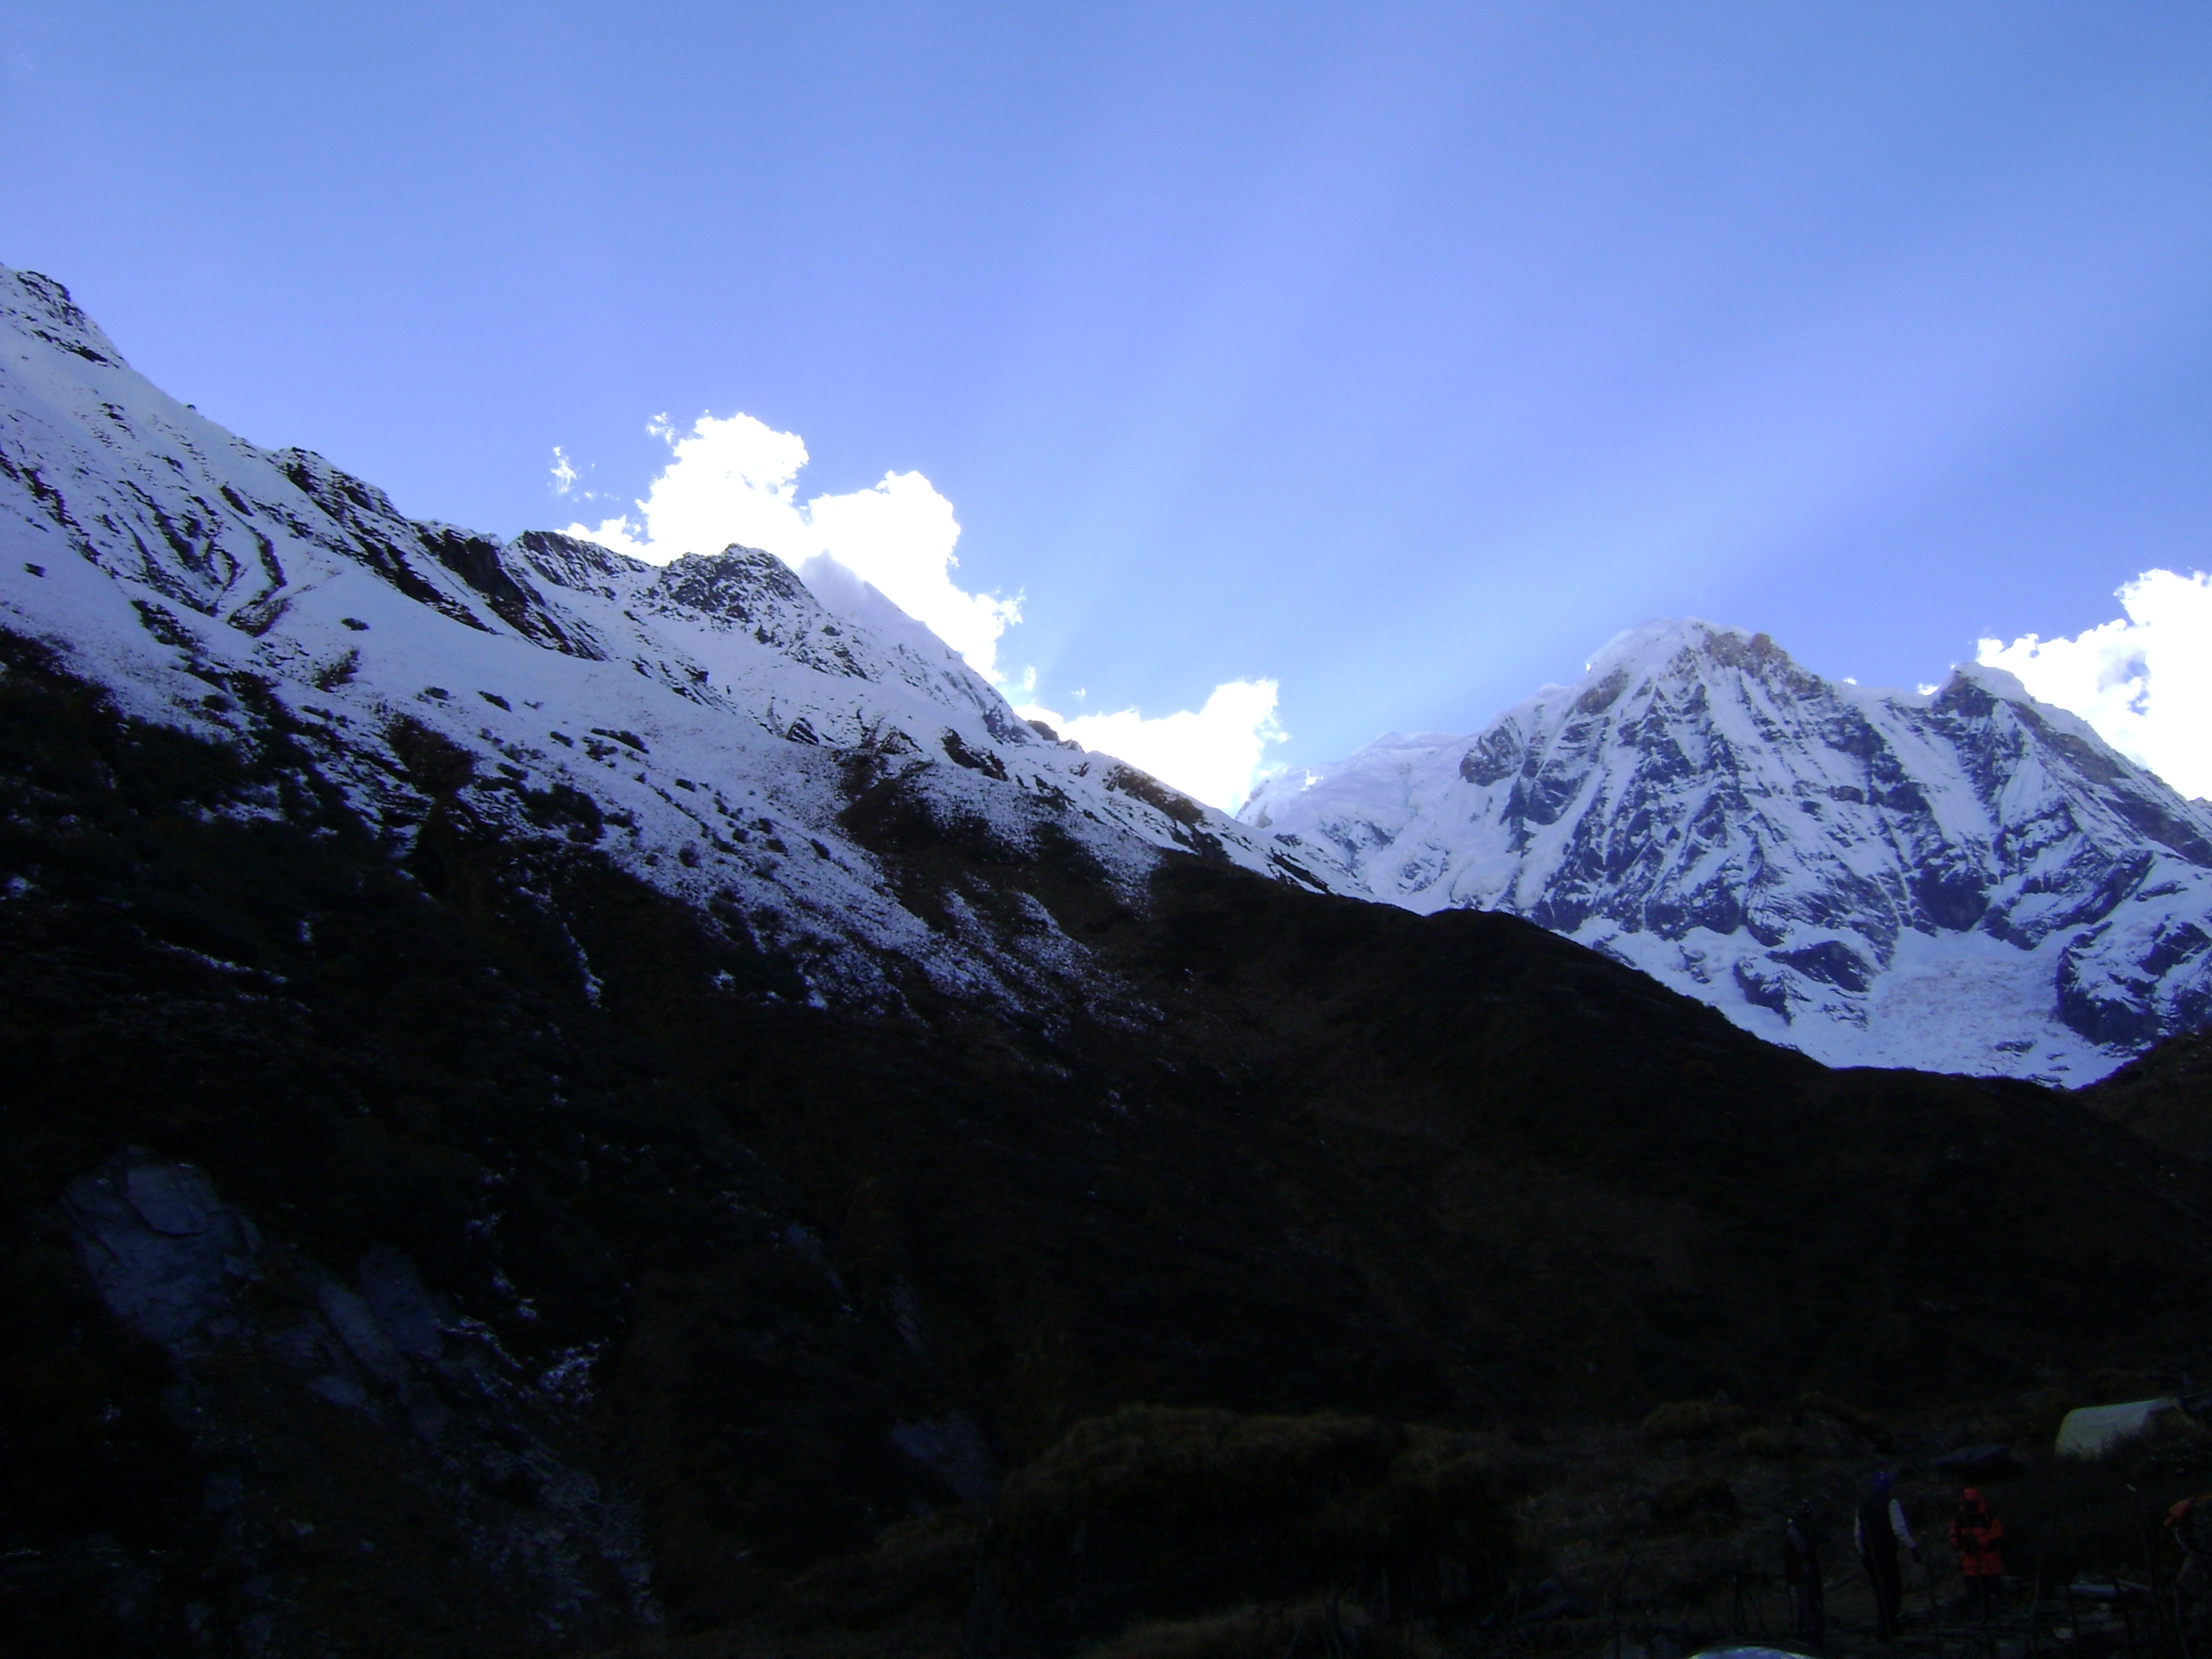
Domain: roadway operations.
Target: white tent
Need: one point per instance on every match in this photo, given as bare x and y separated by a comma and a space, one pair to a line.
2095, 1429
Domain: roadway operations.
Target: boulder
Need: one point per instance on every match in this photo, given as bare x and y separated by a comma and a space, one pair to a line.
167, 1255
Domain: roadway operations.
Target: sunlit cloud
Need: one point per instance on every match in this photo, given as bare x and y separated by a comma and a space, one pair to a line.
565, 475
2143, 681
1213, 754
736, 480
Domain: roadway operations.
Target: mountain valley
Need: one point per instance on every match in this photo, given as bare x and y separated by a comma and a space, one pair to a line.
558, 1106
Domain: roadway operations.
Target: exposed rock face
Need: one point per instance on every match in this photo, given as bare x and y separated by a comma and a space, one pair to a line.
450, 1411
168, 1255
953, 1449
1965, 880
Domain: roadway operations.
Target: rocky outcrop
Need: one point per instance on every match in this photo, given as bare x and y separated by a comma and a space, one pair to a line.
449, 1414
168, 1256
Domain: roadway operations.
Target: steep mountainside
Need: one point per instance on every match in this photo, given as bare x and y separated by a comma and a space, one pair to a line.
1965, 880
707, 723
544, 1100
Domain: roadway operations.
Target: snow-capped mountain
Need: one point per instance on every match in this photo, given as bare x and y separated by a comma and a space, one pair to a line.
1967, 881
1964, 880
710, 724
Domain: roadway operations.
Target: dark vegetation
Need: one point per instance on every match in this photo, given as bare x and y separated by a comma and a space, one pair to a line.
1332, 1254
2164, 1096
1183, 1512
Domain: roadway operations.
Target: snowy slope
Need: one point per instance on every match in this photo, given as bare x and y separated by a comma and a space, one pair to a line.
706, 724
1963, 881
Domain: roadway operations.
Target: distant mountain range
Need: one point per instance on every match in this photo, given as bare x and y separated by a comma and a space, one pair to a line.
1964, 880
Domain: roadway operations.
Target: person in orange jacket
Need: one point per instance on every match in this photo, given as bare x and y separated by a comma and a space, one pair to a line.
1978, 1538
2190, 1522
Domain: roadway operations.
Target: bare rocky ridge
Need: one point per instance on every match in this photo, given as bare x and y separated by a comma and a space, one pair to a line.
1961, 880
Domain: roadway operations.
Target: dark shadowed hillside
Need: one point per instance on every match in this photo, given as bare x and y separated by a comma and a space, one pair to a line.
686, 1293
2166, 1096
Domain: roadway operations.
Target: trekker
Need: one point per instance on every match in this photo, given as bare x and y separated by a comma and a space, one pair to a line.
2190, 1522
1879, 1530
1801, 1570
1978, 1537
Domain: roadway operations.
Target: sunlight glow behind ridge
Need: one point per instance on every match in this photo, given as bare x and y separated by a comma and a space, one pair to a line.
734, 480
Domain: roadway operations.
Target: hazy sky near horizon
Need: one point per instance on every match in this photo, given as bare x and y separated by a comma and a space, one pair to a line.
1401, 355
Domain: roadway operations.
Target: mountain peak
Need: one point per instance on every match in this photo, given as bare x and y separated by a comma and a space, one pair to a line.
43, 308
1664, 638
1965, 881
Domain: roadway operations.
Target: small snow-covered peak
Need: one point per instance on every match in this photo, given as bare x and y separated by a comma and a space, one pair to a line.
41, 307
845, 591
739, 586
1999, 683
318, 479
1980, 687
1680, 653
1653, 644
1410, 742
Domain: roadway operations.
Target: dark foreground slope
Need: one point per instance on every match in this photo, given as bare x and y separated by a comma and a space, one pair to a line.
685, 1292
2164, 1096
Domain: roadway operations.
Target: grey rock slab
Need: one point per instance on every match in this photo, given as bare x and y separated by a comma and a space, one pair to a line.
340, 1389
411, 1317
164, 1251
361, 1332
171, 1197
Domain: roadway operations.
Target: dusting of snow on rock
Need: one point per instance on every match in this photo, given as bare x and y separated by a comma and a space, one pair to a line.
710, 725
1961, 880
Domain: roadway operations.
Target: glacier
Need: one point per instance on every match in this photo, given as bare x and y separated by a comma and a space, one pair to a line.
1959, 880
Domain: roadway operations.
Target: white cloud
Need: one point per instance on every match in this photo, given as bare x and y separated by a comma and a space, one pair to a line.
900, 536
2144, 681
1212, 754
736, 480
564, 475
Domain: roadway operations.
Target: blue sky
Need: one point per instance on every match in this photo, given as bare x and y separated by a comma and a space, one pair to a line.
1400, 354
